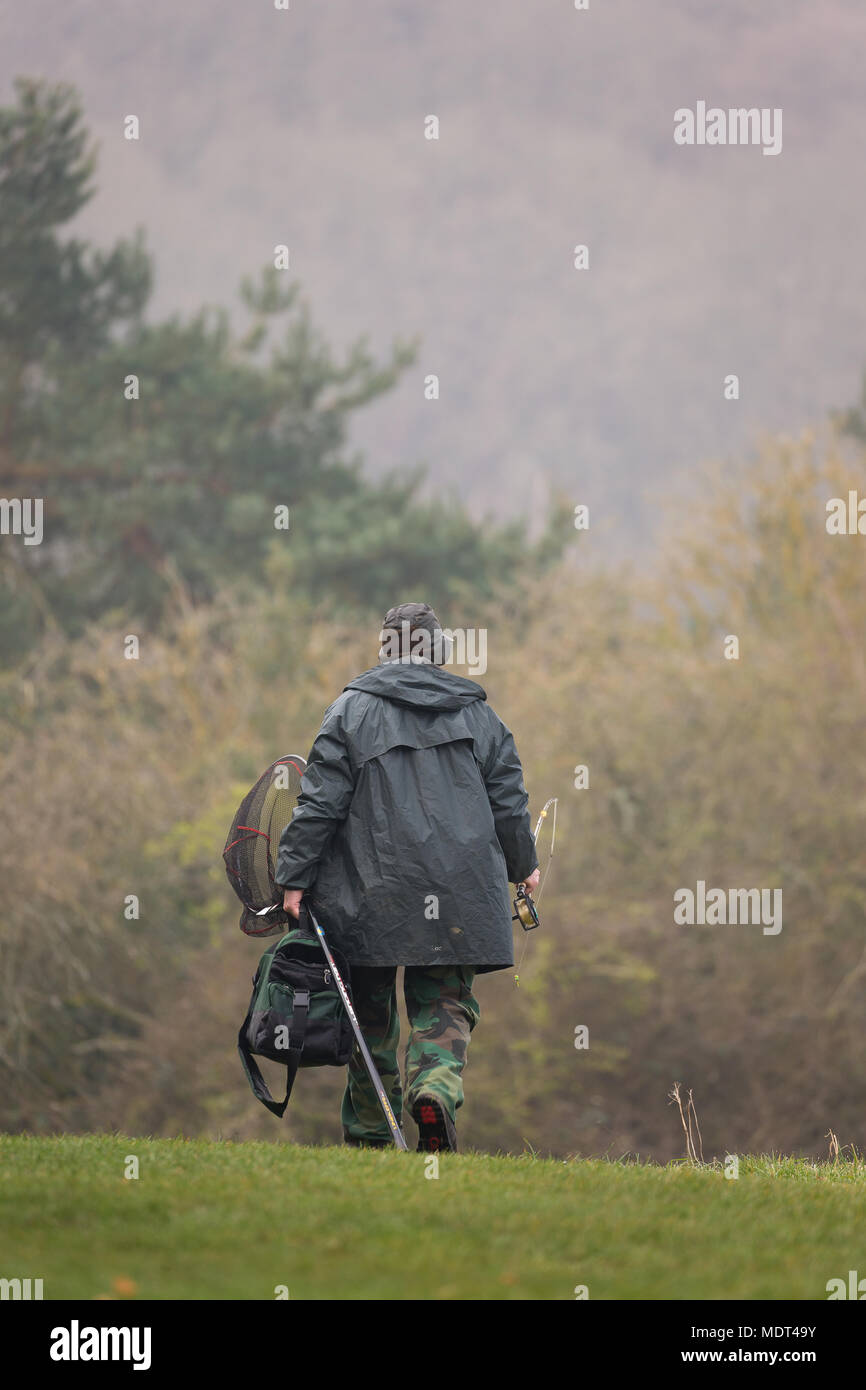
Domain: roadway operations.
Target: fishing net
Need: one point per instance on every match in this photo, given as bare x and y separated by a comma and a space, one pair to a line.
253, 842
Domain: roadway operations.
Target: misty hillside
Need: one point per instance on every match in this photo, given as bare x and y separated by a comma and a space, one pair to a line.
306, 126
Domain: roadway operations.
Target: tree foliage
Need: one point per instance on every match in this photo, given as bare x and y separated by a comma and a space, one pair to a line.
162, 451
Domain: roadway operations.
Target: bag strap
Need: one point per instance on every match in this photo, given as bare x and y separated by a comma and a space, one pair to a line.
297, 1033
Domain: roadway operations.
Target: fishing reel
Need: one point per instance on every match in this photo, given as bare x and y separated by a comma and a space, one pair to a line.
525, 911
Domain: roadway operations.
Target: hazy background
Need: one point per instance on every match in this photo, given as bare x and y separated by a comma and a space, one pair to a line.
306, 127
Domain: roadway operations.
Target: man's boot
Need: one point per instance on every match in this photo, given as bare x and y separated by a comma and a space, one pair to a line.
436, 1129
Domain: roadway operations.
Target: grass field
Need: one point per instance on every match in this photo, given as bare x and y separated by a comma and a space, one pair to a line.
223, 1220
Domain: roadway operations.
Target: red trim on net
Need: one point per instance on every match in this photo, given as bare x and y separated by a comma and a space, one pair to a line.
265, 931
241, 838
288, 759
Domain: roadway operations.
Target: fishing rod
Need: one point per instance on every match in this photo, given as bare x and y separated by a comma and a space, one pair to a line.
396, 1132
525, 906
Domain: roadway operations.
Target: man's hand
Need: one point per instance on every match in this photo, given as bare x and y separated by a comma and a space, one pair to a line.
292, 901
530, 884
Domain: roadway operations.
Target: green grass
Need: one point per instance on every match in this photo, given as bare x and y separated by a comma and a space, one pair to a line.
224, 1220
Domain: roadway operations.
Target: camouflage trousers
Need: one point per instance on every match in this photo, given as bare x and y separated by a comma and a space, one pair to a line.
442, 1012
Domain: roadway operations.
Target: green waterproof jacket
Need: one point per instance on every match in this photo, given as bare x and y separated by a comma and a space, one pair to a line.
411, 819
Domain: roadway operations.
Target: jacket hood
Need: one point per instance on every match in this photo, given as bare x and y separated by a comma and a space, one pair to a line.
421, 686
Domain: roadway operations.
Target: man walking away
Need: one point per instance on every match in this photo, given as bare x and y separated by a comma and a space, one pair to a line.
411, 819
